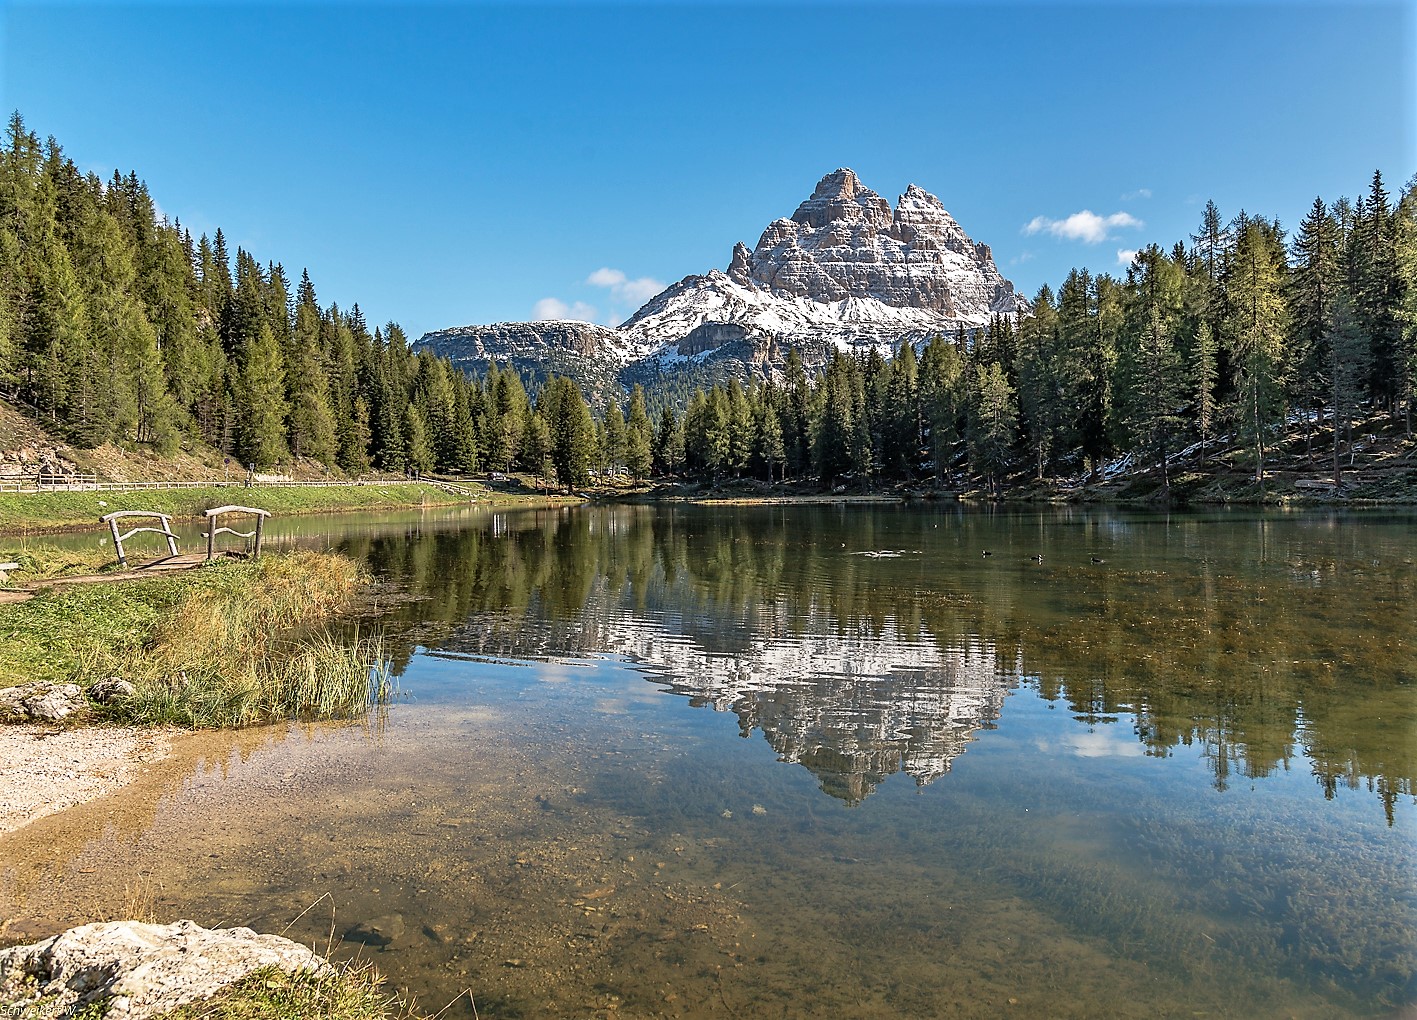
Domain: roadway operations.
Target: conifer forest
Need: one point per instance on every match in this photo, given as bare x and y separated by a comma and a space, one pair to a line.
117, 325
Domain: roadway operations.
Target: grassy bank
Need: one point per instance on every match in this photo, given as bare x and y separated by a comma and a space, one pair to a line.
21, 511
340, 993
230, 644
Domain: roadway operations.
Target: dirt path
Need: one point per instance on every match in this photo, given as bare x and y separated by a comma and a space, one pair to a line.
167, 565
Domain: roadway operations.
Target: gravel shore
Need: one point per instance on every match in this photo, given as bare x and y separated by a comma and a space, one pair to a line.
45, 769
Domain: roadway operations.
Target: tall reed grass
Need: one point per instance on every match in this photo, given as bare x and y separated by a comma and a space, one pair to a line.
252, 643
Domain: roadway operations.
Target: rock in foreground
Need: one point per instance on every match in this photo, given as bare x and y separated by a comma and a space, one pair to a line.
42, 702
139, 969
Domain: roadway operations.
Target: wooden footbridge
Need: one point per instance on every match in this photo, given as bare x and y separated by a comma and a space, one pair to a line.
176, 560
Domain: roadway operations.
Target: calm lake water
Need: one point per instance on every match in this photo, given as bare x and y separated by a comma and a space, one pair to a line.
811, 760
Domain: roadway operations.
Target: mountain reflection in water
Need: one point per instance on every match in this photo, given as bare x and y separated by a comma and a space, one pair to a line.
1259, 639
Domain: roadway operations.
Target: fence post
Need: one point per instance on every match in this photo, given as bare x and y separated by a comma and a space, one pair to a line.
117, 542
167, 527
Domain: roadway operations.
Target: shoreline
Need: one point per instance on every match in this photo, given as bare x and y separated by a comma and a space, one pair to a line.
46, 770
488, 498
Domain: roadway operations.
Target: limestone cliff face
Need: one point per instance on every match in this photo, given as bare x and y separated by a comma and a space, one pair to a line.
845, 266
845, 271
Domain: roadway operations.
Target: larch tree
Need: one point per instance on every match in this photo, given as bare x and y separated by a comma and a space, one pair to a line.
993, 424
1405, 235
1257, 328
1349, 356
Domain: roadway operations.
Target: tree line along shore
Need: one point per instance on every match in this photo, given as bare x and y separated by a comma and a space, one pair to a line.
116, 325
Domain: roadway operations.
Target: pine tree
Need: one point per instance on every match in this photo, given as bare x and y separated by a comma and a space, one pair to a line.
1204, 377
836, 445
464, 453
1256, 327
354, 436
942, 400
570, 429
260, 401
1041, 387
1405, 255
1150, 369
311, 423
1315, 279
536, 446
1377, 291
1349, 354
993, 423
639, 437
739, 429
614, 438
417, 445
900, 440
770, 445
668, 443
1213, 253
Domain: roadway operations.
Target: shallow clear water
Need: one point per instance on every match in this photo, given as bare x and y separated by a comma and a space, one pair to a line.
785, 761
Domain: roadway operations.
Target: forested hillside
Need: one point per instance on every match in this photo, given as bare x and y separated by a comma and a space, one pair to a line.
116, 325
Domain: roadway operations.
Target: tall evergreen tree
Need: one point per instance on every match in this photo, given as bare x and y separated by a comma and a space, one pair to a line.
570, 429
260, 401
1376, 290
639, 437
1315, 279
1150, 368
993, 424
1405, 252
1349, 354
1257, 325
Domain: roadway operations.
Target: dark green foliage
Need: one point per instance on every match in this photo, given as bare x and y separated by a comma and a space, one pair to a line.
570, 430
117, 326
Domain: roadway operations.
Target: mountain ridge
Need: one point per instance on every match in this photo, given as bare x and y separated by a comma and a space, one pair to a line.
845, 271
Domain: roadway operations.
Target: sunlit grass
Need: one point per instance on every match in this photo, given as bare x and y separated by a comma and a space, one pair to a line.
230, 644
53, 509
348, 992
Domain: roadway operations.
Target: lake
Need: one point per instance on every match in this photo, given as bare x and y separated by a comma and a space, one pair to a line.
791, 761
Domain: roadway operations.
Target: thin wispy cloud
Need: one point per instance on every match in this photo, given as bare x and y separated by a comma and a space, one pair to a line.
1132, 196
624, 290
1085, 226
555, 308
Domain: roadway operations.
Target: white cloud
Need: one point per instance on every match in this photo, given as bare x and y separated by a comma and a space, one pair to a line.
605, 277
555, 308
1125, 256
1105, 742
1132, 196
623, 289
1085, 226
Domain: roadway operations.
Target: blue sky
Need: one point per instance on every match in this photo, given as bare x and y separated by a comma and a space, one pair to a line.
452, 163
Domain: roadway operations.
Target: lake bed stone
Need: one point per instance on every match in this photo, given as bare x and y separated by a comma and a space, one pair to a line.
42, 702
384, 930
138, 969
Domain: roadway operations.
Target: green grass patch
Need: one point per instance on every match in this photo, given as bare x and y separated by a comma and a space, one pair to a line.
39, 561
350, 992
30, 510
230, 644
59, 634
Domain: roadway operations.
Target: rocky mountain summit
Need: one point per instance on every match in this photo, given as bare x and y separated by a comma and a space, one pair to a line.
844, 271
